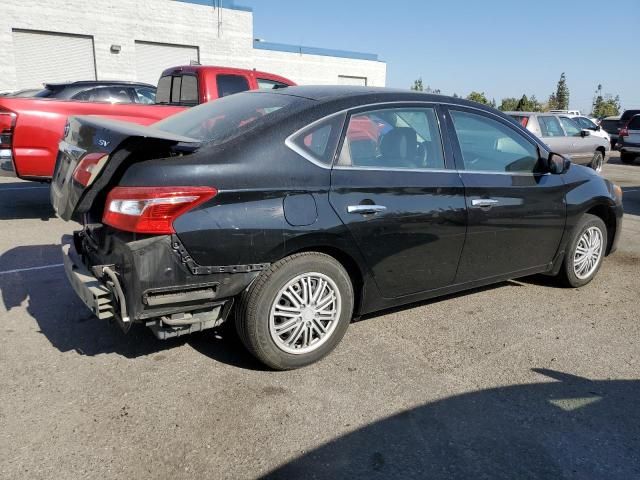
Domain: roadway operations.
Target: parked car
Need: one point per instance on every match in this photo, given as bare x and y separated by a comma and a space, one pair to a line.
294, 209
100, 91
626, 116
32, 127
629, 138
591, 124
610, 125
564, 136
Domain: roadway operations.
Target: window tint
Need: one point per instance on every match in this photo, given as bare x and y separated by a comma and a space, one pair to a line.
393, 138
265, 84
230, 84
634, 124
146, 95
571, 127
227, 117
488, 145
319, 141
175, 89
550, 126
189, 90
163, 93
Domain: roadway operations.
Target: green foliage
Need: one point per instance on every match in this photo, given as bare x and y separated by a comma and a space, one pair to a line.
561, 97
478, 97
417, 85
508, 104
606, 107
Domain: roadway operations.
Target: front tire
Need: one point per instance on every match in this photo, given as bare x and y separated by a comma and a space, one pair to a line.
297, 311
585, 253
597, 161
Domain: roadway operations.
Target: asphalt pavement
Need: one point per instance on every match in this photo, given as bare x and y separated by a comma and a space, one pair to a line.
518, 380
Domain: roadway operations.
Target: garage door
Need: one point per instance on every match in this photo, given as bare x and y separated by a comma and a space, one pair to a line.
153, 58
350, 80
52, 57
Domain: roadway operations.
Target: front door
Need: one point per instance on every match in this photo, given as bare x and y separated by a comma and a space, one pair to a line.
404, 208
516, 212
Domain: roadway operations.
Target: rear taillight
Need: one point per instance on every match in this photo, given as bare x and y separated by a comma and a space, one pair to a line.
7, 124
524, 121
86, 171
151, 209
624, 132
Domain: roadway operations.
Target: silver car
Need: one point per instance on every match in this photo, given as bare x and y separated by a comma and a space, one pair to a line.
564, 136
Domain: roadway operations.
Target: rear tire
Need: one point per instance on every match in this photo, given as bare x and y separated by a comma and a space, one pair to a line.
585, 252
297, 311
627, 157
597, 161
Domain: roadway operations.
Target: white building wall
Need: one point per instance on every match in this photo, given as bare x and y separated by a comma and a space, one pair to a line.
228, 42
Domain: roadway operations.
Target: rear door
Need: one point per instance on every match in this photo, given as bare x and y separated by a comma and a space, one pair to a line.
583, 146
516, 214
399, 197
553, 135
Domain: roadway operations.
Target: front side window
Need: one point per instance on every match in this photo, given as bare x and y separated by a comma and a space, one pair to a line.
230, 84
550, 126
571, 127
585, 123
394, 138
489, 145
145, 95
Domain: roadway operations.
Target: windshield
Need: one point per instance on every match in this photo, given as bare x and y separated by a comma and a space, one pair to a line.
220, 119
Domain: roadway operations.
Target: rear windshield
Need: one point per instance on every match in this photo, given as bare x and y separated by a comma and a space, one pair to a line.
223, 118
634, 124
626, 116
610, 125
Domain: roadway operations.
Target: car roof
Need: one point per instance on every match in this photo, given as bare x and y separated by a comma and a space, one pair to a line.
613, 117
97, 83
535, 113
328, 93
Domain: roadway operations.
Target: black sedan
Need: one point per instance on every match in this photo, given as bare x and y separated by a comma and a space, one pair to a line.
291, 211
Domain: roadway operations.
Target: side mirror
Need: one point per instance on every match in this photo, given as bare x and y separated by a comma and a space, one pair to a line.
557, 164
585, 133
598, 128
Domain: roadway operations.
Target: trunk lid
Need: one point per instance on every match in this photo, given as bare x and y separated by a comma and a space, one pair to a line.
111, 143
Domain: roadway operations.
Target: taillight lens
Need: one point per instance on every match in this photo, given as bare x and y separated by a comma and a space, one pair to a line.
88, 168
624, 132
7, 123
151, 209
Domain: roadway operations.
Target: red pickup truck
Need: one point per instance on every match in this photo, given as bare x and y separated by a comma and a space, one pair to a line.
30, 128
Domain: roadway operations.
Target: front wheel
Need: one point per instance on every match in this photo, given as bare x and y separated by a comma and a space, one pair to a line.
297, 311
597, 161
585, 253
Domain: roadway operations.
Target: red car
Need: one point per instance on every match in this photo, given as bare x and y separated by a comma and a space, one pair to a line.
30, 128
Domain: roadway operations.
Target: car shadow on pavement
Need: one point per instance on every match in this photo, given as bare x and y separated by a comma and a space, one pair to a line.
20, 200
566, 428
67, 323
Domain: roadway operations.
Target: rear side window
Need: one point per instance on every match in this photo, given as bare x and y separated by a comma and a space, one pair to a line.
550, 126
634, 124
264, 84
105, 94
393, 138
488, 145
230, 84
318, 142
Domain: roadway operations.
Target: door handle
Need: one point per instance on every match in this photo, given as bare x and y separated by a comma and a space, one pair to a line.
364, 209
484, 202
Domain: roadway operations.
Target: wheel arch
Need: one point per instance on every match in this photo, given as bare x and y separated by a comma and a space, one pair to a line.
606, 214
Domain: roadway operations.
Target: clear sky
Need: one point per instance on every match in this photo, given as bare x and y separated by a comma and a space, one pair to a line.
502, 47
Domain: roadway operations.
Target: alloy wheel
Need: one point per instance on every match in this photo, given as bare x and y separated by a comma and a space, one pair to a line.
588, 252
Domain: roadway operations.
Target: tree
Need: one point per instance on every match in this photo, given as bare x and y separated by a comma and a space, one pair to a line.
606, 107
417, 85
528, 104
478, 97
552, 103
508, 104
561, 97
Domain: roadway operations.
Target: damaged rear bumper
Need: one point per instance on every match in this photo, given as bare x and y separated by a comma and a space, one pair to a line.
148, 281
